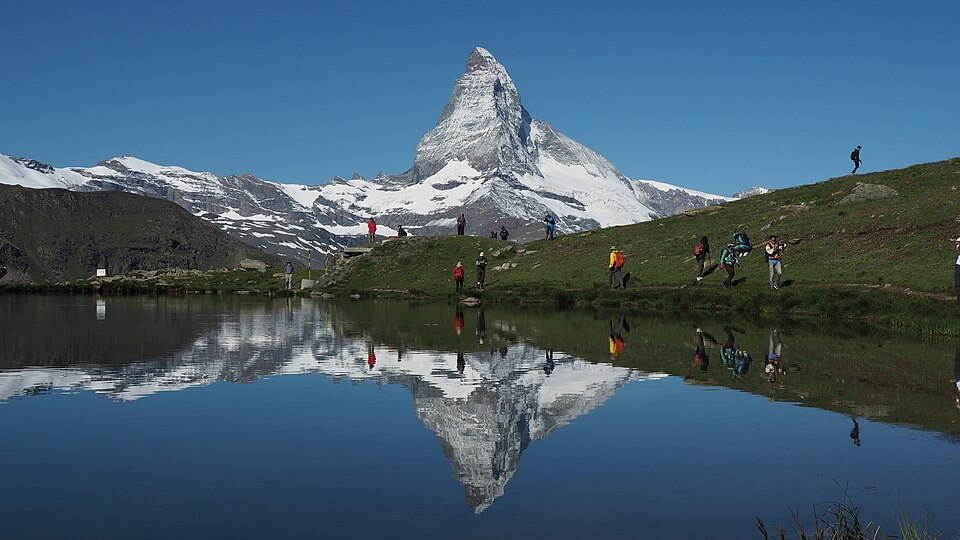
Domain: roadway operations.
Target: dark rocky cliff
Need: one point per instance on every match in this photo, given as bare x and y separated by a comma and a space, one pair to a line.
52, 235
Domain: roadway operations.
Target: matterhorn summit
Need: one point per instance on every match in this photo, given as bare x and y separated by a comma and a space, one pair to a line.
489, 158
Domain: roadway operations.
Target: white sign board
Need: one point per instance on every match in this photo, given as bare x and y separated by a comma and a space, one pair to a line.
101, 272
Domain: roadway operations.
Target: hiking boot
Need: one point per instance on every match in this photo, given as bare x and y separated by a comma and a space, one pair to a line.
699, 279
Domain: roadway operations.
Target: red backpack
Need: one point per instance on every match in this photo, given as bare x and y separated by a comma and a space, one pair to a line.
698, 250
457, 272
618, 262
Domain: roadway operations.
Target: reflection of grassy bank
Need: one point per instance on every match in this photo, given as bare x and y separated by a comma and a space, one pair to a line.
887, 260
850, 367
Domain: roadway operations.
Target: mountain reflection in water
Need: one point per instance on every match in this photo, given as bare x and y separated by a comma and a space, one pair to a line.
485, 405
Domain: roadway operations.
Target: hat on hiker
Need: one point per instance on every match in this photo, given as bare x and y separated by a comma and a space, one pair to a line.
613, 248
481, 254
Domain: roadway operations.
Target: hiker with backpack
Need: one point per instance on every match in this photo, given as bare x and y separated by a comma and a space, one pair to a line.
728, 261
742, 245
503, 233
616, 267
461, 224
855, 157
616, 336
701, 252
551, 226
481, 270
458, 276
774, 252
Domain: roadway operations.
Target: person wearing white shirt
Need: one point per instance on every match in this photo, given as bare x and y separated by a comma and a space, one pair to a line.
956, 270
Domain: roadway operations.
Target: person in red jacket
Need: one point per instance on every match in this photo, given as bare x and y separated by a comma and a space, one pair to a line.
371, 230
458, 275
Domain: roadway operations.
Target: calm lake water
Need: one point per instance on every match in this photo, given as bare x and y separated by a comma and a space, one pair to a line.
246, 418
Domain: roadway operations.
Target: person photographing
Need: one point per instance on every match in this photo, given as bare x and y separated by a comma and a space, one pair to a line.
774, 252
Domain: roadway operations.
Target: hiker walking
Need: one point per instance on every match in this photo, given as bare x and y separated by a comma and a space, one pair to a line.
481, 270
503, 233
701, 252
461, 224
551, 226
855, 157
371, 230
956, 271
616, 267
728, 261
458, 275
774, 251
288, 273
401, 232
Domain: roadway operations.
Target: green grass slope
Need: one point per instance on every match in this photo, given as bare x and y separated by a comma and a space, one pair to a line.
840, 253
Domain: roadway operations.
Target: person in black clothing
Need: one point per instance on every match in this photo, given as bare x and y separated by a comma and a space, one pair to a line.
493, 234
702, 253
503, 233
401, 232
855, 156
461, 224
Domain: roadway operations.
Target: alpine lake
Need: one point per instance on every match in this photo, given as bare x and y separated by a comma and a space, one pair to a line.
242, 417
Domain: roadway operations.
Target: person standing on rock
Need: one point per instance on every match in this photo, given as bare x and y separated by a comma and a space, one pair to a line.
288, 273
461, 224
481, 270
371, 231
616, 267
855, 157
774, 252
458, 276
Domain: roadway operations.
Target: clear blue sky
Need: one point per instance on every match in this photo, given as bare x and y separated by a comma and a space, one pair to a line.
709, 95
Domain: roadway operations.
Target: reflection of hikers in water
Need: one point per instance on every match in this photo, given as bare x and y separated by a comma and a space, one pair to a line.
773, 365
855, 432
503, 352
616, 336
461, 363
701, 356
481, 325
728, 351
458, 320
371, 356
550, 365
741, 364
956, 378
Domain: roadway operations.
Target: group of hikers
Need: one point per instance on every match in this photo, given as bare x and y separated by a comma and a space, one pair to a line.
730, 257
549, 225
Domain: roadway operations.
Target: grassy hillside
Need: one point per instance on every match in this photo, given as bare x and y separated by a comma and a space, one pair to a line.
839, 253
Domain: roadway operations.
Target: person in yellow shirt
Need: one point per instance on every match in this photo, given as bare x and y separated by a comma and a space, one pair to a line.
616, 267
